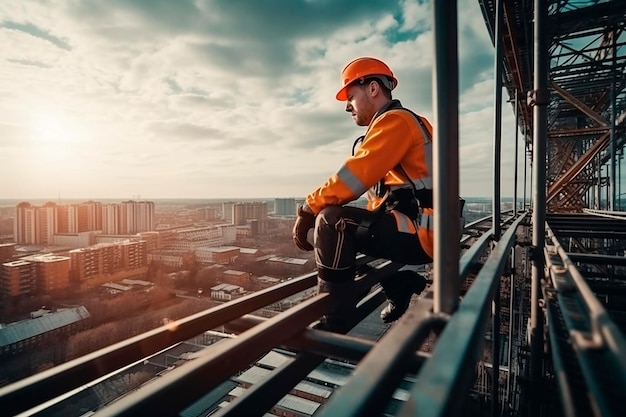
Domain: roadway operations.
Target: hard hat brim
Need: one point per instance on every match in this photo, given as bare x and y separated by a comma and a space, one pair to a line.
342, 95
390, 84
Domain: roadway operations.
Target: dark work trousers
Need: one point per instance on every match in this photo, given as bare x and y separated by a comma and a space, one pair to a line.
337, 243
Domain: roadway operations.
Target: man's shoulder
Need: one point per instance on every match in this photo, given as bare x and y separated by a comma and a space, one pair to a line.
399, 112
405, 119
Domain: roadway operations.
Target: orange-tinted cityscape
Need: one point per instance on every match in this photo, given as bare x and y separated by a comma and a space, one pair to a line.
312, 208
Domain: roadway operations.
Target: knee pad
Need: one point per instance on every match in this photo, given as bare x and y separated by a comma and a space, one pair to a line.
331, 216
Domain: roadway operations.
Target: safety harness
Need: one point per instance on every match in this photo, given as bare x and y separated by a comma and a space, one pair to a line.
408, 201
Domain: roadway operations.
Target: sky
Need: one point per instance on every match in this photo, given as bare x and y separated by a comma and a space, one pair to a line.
150, 99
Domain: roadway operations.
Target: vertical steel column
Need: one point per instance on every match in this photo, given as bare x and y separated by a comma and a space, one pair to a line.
619, 183
446, 157
495, 351
516, 156
540, 128
509, 380
497, 121
525, 173
496, 209
599, 185
608, 188
614, 178
532, 170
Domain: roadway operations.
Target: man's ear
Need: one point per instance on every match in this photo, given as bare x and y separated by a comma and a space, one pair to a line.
374, 88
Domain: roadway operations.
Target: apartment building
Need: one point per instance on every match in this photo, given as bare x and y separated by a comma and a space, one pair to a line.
171, 258
17, 278
38, 225
7, 252
285, 206
52, 272
106, 259
188, 239
243, 212
35, 274
220, 255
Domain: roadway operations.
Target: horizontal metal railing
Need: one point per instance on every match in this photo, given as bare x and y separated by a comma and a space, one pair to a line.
34, 390
43, 390
597, 342
289, 330
186, 384
450, 368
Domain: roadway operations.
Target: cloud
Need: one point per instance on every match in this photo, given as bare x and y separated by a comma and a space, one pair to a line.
37, 32
161, 98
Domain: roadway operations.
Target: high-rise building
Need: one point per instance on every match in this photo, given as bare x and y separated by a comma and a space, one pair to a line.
227, 211
136, 216
77, 218
285, 206
90, 213
26, 224
64, 221
146, 221
37, 225
47, 223
110, 219
242, 212
208, 213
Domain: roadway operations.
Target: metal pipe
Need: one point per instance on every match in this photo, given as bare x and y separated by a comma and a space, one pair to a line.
516, 154
525, 175
446, 157
541, 92
495, 351
449, 374
613, 116
608, 188
497, 127
188, 383
511, 331
599, 186
56, 381
378, 374
619, 184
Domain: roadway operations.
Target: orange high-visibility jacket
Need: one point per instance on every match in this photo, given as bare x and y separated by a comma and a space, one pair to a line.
393, 137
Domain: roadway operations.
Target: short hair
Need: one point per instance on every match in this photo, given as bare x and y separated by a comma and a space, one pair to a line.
381, 83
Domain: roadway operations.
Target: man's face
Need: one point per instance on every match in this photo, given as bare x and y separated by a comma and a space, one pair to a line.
360, 104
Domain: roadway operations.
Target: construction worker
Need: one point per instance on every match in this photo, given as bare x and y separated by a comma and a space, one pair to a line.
392, 165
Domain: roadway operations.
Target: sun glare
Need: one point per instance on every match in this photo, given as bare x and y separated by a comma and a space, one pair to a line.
54, 127
55, 136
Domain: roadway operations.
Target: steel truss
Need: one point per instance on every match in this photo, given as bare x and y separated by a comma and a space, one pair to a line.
587, 96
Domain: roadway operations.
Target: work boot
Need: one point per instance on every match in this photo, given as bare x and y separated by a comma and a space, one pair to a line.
342, 306
399, 288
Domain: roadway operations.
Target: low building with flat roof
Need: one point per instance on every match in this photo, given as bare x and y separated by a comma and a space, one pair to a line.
28, 334
226, 292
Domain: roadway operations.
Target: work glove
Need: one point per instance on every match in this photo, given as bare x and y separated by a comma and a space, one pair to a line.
304, 223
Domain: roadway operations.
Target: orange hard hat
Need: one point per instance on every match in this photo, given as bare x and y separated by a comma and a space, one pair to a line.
364, 67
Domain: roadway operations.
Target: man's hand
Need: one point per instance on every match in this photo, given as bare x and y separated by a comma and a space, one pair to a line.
304, 222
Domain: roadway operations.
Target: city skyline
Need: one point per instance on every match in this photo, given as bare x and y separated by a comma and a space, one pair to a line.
224, 100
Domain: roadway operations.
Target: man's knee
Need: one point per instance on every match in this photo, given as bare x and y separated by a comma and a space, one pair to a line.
330, 216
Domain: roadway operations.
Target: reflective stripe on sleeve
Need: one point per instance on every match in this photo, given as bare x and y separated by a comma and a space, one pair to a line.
404, 223
352, 181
